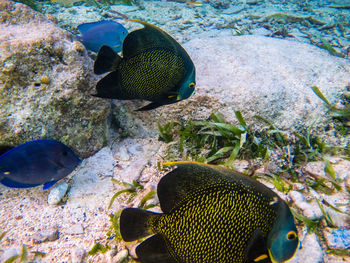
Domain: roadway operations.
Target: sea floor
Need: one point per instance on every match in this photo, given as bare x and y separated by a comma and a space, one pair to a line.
322, 23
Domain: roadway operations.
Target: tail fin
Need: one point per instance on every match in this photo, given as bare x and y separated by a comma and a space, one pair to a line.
136, 223
106, 60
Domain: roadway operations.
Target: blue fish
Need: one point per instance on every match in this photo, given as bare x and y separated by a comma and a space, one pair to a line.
105, 32
35, 163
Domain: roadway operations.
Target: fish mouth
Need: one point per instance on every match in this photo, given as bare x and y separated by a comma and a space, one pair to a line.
273, 260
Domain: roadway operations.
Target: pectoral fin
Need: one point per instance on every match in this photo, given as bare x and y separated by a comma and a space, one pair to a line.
257, 249
150, 106
49, 184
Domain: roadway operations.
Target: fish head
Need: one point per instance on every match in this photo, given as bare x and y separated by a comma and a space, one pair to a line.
282, 241
64, 161
122, 33
187, 87
116, 41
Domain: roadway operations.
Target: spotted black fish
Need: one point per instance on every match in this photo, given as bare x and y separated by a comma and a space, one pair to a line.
35, 163
212, 215
154, 67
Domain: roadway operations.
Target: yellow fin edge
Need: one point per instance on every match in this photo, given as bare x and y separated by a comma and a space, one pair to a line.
261, 257
185, 162
135, 20
146, 24
142, 22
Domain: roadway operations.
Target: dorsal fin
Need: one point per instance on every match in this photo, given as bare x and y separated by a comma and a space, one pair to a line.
191, 176
49, 184
86, 26
148, 37
184, 180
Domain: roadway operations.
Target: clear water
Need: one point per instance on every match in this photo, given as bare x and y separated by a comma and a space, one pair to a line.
316, 22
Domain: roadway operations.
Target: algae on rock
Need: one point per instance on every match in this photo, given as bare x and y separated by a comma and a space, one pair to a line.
60, 107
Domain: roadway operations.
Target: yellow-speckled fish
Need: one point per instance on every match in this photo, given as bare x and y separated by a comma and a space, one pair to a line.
212, 215
154, 67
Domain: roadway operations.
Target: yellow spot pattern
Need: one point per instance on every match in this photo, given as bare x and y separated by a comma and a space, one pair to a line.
214, 225
151, 74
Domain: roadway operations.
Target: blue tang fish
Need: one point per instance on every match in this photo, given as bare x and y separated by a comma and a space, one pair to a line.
105, 32
35, 163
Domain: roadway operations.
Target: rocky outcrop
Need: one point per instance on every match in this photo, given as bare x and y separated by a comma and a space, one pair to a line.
46, 80
268, 77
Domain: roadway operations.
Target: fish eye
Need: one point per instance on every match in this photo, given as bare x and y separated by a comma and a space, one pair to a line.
291, 235
65, 153
192, 85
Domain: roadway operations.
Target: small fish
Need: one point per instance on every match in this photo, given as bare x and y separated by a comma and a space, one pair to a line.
105, 32
36, 162
154, 67
194, 3
212, 215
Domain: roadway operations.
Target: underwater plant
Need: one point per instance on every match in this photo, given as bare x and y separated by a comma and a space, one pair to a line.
335, 111
217, 141
24, 256
31, 3
98, 247
66, 2
114, 230
328, 46
132, 189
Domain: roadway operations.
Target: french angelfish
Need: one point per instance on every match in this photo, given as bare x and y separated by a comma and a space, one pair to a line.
212, 215
36, 162
154, 67
105, 32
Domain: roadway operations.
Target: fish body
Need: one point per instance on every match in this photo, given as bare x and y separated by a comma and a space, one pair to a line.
154, 67
35, 163
212, 215
105, 32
